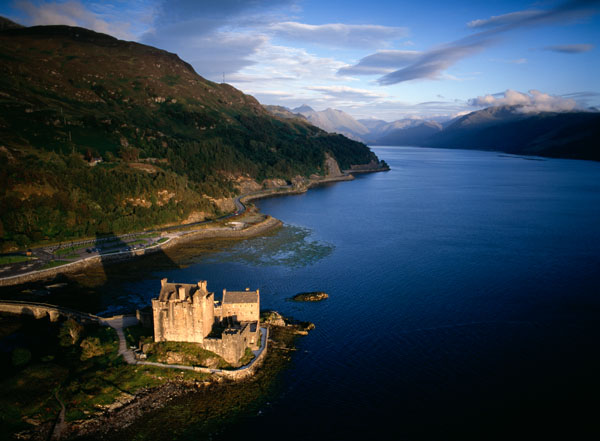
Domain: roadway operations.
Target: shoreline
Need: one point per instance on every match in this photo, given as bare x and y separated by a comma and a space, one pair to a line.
268, 224
130, 417
129, 410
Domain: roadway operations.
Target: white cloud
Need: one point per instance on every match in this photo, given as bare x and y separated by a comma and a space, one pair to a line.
339, 34
532, 102
288, 62
503, 20
289, 70
216, 36
219, 53
381, 62
73, 13
432, 63
347, 93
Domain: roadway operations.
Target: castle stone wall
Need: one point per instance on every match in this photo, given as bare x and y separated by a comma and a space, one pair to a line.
182, 320
241, 312
233, 342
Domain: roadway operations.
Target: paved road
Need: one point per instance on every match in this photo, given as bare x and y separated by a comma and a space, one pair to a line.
119, 323
44, 256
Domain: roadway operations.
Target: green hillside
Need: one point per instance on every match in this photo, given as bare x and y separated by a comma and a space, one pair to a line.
171, 141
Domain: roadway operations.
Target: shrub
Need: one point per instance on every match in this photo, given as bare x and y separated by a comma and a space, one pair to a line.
91, 347
70, 332
21, 357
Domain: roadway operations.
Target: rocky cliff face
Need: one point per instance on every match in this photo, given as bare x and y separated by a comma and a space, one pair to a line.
332, 167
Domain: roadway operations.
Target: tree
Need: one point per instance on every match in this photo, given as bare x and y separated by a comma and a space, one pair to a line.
70, 332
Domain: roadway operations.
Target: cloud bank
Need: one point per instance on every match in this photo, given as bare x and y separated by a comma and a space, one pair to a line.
347, 93
432, 63
73, 13
566, 12
532, 102
339, 34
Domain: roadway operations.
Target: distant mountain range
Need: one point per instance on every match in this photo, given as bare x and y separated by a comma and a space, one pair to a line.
508, 129
334, 121
504, 128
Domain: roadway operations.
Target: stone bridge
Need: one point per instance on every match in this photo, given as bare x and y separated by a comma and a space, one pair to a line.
41, 310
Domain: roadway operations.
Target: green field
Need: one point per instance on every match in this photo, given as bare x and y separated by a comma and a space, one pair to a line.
5, 260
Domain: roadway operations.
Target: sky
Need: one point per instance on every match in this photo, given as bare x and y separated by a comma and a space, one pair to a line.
373, 59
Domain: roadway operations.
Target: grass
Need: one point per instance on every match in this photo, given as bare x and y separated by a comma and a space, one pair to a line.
133, 334
189, 354
171, 80
203, 414
87, 374
247, 357
162, 239
55, 263
5, 260
135, 242
87, 387
68, 252
147, 236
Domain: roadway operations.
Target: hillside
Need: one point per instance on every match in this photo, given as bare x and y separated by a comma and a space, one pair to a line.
283, 112
101, 136
562, 135
504, 128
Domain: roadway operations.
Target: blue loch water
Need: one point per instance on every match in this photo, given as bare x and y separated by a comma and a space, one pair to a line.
464, 300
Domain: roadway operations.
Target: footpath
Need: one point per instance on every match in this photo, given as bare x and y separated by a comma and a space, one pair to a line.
119, 323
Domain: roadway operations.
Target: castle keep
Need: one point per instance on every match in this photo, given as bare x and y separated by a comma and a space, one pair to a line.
189, 313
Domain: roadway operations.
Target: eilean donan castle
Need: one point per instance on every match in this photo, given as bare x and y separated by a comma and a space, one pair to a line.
189, 313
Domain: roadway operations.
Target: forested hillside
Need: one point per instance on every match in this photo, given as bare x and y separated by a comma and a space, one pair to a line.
99, 135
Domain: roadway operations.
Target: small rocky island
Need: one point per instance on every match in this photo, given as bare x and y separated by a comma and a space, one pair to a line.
314, 296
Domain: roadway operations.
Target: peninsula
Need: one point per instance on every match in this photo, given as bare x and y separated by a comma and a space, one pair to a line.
101, 372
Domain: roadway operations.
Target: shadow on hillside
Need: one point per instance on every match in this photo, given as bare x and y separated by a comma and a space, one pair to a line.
98, 287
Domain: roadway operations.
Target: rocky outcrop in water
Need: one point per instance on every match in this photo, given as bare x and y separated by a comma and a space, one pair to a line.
315, 296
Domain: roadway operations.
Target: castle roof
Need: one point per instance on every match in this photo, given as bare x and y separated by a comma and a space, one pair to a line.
240, 296
170, 291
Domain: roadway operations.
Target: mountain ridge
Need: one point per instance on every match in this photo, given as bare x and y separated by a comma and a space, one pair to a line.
505, 128
333, 121
100, 136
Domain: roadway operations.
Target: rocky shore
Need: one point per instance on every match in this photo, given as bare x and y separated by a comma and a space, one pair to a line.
216, 397
315, 296
267, 224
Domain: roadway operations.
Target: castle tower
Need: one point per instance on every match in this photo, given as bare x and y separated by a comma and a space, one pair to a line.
183, 312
